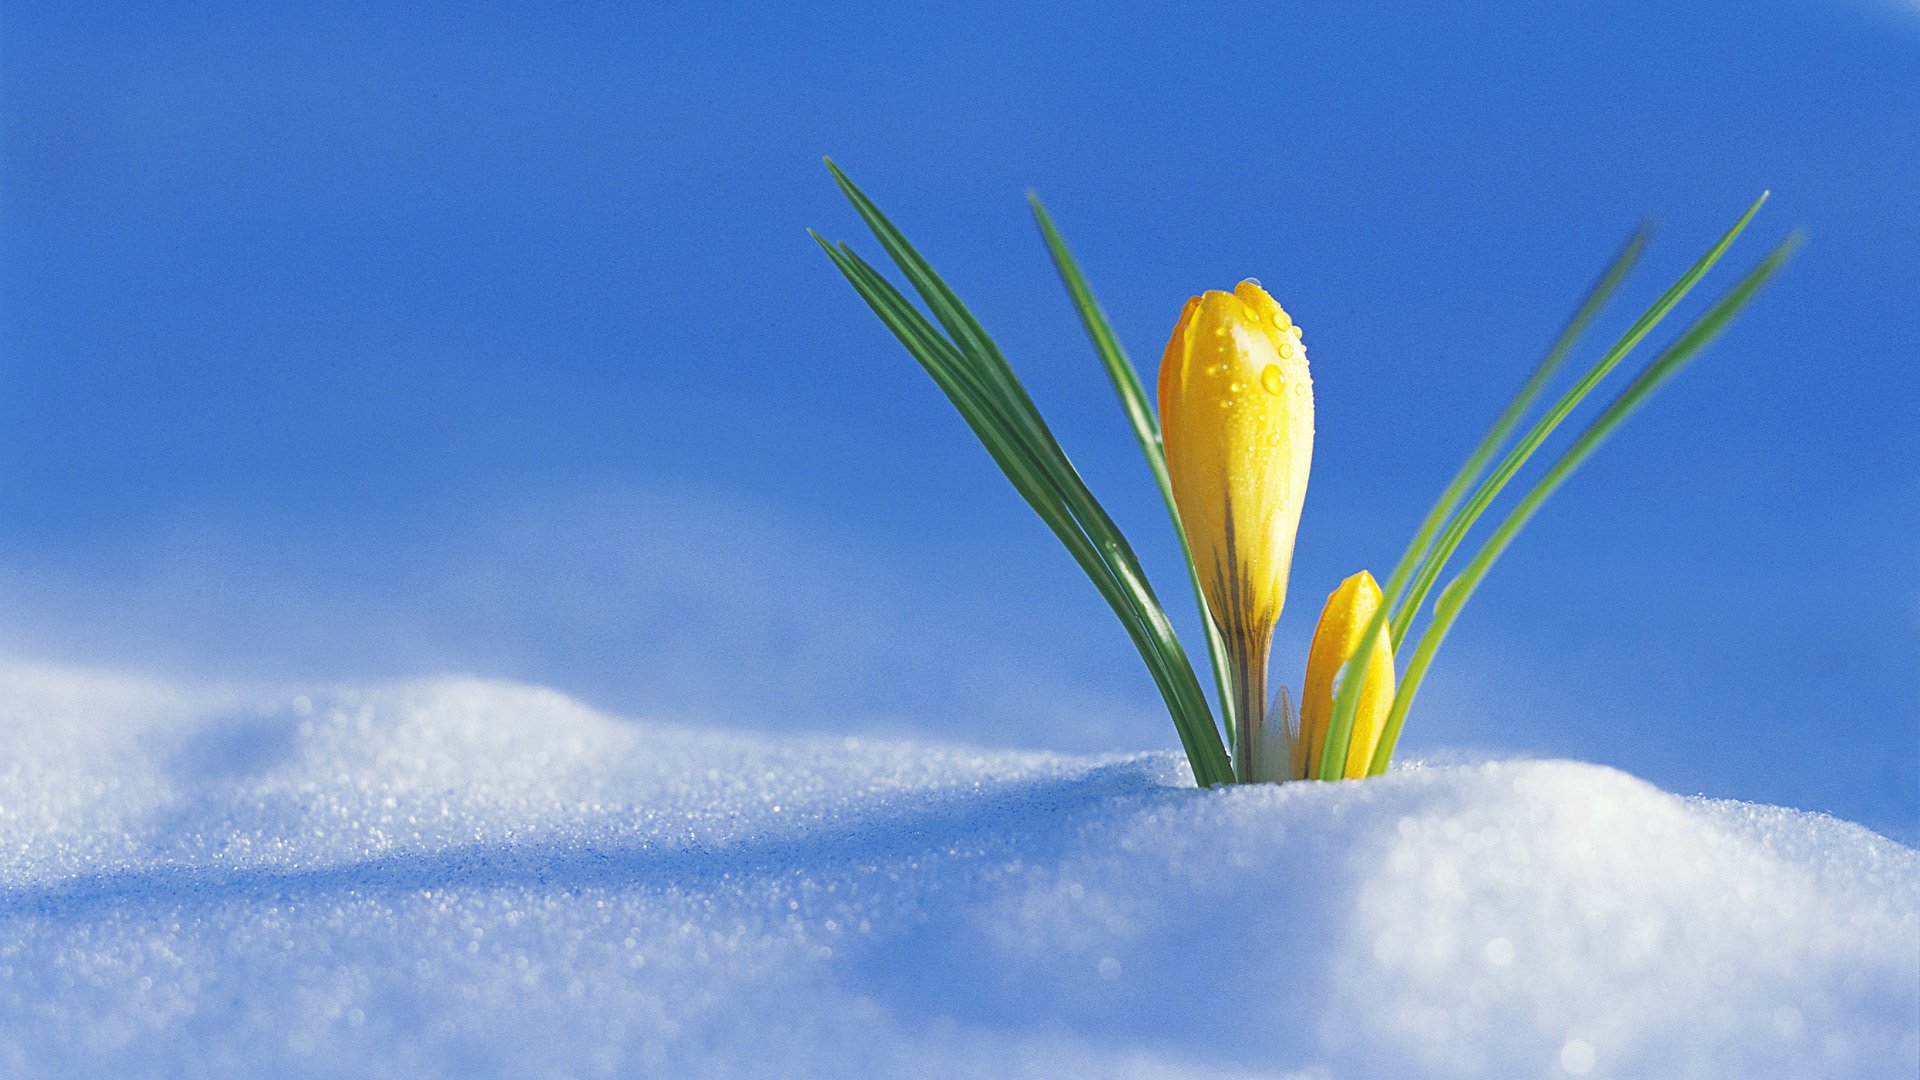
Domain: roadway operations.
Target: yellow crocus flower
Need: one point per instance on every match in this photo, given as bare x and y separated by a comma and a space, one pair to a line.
1236, 419
1335, 639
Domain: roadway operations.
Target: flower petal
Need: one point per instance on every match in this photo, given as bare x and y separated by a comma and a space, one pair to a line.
1335, 639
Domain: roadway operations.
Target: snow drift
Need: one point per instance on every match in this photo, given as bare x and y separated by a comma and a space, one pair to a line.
466, 878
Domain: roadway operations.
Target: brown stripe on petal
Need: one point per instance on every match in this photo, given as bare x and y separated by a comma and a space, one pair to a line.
1249, 636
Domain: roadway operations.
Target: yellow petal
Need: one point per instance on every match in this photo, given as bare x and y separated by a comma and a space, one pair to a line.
1336, 639
1236, 416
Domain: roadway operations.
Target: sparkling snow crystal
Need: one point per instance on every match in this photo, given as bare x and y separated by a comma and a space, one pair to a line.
468, 878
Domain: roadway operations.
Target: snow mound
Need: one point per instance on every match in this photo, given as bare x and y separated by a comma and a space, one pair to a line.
467, 878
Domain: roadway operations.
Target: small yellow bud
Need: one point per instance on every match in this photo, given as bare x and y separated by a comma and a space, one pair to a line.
1236, 418
1336, 639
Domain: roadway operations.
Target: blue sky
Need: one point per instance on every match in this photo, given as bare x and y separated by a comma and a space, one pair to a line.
341, 342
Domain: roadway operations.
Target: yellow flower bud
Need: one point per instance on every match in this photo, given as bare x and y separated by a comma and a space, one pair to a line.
1335, 639
1236, 418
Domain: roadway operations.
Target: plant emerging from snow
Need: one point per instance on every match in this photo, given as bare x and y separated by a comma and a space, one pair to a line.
1231, 449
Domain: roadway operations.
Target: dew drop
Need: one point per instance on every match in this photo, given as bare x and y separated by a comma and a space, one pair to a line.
1234, 388
1253, 281
1216, 369
1226, 403
1271, 378
1286, 350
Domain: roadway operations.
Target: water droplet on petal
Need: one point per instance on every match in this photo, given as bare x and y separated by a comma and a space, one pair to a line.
1271, 378
1234, 388
1253, 281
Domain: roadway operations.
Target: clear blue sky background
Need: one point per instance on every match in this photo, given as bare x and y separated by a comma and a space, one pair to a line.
340, 342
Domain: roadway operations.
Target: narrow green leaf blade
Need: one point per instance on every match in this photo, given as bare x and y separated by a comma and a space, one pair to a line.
1663, 368
1334, 749
1583, 315
1456, 530
991, 368
1134, 400
1347, 698
1125, 377
1011, 454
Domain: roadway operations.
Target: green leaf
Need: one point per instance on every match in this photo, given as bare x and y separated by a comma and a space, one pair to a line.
1664, 367
1455, 531
1146, 429
1347, 698
977, 379
1602, 290
1496, 435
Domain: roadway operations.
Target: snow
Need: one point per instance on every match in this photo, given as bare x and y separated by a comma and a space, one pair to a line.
458, 877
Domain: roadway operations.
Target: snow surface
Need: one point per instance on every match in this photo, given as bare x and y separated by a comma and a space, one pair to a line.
466, 878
